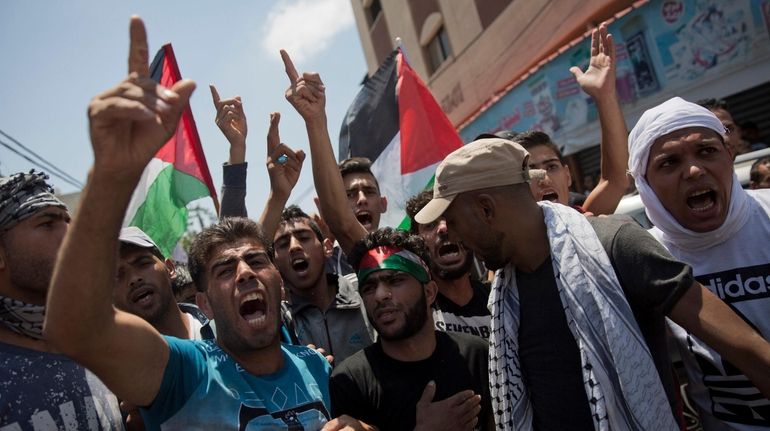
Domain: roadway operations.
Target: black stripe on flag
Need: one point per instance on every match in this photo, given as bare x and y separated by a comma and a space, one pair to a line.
156, 67
372, 119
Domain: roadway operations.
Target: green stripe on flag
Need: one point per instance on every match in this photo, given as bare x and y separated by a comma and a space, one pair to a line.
163, 214
406, 223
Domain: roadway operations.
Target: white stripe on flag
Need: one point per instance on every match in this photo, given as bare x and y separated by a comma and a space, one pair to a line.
151, 172
396, 187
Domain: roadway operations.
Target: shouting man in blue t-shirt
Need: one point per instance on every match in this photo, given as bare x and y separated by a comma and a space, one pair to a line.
246, 379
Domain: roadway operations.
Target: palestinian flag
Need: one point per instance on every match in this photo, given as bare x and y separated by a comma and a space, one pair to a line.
176, 176
395, 122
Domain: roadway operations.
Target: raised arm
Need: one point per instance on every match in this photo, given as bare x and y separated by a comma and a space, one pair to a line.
283, 167
128, 124
231, 120
598, 81
307, 94
704, 315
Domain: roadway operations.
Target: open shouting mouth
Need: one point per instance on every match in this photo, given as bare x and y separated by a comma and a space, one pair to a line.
253, 308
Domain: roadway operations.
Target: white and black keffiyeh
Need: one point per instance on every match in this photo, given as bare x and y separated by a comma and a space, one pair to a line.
620, 378
21, 195
22, 318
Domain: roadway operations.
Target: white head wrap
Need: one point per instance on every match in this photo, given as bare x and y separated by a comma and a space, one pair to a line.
672, 115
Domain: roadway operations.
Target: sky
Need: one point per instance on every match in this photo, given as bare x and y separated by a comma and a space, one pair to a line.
58, 55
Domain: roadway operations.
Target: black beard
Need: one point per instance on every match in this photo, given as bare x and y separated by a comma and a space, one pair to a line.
450, 274
415, 319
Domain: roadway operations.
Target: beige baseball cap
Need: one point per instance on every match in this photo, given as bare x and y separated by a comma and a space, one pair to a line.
481, 164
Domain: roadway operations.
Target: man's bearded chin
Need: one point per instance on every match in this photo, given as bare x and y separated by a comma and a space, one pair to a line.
454, 273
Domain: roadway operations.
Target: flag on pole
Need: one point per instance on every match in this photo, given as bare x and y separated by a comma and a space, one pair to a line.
176, 176
395, 122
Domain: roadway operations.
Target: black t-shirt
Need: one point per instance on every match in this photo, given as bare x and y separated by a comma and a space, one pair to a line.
381, 391
652, 280
550, 359
471, 318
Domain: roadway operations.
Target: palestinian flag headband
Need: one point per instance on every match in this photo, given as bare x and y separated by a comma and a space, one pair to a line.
388, 257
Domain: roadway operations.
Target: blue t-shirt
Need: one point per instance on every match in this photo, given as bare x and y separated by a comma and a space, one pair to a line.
204, 388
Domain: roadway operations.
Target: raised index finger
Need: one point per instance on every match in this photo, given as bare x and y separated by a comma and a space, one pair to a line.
138, 52
214, 95
273, 140
291, 71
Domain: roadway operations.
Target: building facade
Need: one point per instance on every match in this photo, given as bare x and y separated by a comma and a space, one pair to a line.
504, 64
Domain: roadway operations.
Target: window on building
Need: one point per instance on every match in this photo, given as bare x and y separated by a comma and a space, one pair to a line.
373, 10
438, 49
382, 42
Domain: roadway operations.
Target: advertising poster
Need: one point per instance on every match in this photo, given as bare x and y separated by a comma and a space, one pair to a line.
664, 47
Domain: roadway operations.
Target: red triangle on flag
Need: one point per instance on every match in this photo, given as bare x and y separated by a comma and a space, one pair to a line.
183, 149
427, 135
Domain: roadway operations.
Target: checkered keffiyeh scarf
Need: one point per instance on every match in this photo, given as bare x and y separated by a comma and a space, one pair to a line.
21, 195
22, 318
620, 378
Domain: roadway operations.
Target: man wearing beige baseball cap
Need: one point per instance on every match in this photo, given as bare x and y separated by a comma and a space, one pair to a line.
578, 304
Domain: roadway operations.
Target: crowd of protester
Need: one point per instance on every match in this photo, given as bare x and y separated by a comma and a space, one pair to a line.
332, 322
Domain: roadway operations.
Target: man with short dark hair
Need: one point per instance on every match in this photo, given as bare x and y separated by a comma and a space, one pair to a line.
246, 378
759, 176
365, 200
348, 223
598, 81
182, 285
721, 110
326, 308
363, 192
682, 161
414, 377
555, 185
578, 331
461, 301
39, 387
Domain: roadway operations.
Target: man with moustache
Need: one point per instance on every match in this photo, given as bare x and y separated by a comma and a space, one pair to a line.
681, 159
39, 387
413, 377
246, 378
326, 308
143, 287
461, 301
